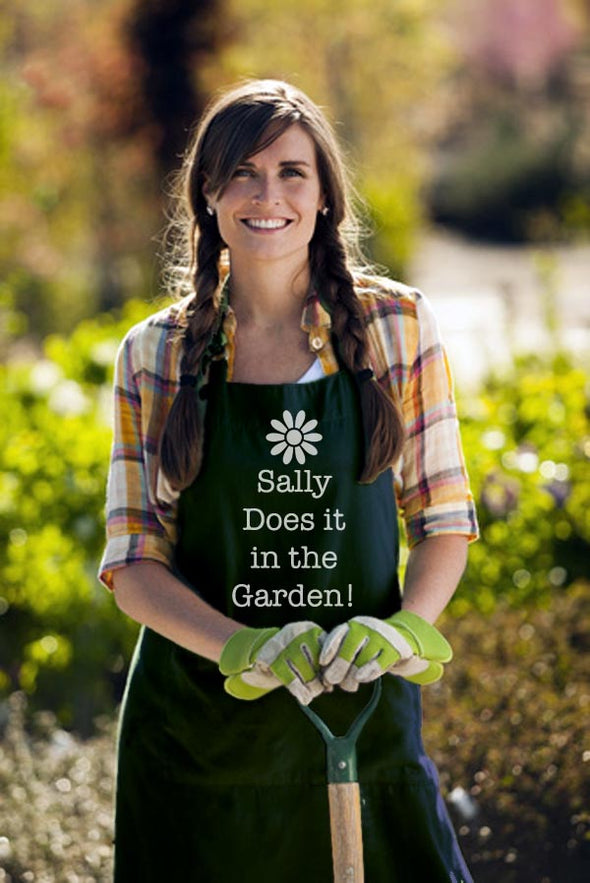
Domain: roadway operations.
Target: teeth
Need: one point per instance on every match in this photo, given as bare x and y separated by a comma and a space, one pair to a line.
266, 224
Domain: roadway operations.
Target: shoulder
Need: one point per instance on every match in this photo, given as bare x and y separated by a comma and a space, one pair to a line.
150, 344
390, 305
382, 297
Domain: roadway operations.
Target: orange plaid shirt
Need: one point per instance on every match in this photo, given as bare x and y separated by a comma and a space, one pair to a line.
406, 354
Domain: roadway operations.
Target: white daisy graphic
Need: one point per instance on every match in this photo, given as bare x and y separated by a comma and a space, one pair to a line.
293, 437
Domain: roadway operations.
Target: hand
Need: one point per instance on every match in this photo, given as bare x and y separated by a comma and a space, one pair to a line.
260, 660
365, 648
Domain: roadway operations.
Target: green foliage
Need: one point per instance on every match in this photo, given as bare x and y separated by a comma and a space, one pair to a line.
79, 189
506, 184
375, 67
527, 445
61, 638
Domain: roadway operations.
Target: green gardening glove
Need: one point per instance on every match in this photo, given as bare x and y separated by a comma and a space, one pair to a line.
260, 660
365, 648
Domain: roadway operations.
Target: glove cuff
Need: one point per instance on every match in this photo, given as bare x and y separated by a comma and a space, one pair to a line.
240, 650
426, 640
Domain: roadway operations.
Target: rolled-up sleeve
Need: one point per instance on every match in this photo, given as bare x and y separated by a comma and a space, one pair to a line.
135, 531
433, 488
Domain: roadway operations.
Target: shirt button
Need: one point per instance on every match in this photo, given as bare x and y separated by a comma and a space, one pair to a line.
316, 343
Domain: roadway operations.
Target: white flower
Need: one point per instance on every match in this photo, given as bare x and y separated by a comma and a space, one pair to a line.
294, 436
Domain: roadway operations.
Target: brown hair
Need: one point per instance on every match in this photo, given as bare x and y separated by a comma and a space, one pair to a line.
238, 125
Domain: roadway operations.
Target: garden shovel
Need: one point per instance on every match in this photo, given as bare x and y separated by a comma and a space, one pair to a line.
344, 793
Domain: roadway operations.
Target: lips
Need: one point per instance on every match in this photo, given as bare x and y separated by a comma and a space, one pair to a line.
266, 223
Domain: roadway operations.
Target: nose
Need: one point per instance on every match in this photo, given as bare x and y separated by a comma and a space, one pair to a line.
266, 191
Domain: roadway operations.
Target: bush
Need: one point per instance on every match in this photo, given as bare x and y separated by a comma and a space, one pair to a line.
507, 728
61, 637
511, 176
57, 795
527, 445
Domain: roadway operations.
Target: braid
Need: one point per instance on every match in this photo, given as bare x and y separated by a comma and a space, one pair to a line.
181, 445
383, 423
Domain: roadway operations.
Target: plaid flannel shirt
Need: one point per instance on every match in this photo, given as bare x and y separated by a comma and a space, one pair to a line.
406, 354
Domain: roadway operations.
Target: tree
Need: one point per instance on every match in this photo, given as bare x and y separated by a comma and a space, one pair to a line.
174, 40
376, 66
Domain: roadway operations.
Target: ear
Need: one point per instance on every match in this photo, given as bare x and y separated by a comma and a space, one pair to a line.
209, 198
207, 191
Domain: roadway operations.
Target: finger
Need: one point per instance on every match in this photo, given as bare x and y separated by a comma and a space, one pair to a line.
236, 687
388, 635
305, 693
350, 683
289, 640
413, 666
336, 672
430, 675
259, 678
375, 649
428, 642
294, 663
371, 671
332, 644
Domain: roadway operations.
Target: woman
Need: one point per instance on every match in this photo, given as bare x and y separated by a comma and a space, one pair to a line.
252, 525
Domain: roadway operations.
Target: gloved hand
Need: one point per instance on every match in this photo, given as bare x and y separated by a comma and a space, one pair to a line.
260, 660
364, 648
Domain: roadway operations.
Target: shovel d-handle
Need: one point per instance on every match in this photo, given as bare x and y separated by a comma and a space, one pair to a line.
343, 792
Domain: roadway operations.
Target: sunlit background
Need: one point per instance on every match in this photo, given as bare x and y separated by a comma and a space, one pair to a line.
467, 126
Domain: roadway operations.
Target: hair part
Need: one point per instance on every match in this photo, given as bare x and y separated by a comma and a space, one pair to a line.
236, 126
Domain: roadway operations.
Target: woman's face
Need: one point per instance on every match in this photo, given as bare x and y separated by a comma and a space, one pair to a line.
268, 211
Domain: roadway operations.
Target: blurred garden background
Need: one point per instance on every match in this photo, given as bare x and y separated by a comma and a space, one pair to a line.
467, 124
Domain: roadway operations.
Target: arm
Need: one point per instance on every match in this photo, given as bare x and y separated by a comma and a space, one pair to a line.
149, 593
137, 562
437, 503
152, 595
434, 569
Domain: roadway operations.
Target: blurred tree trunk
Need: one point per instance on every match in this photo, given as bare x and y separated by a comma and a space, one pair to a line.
174, 39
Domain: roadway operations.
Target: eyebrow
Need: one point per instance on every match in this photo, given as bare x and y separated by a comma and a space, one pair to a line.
286, 162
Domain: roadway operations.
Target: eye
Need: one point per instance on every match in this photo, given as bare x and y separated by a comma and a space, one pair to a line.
243, 172
292, 172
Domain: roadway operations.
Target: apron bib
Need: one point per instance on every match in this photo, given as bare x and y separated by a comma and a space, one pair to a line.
275, 529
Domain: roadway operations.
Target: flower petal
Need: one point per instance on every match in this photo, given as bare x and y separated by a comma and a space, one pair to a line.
312, 436
309, 448
300, 456
288, 456
276, 424
275, 436
288, 418
300, 419
311, 424
278, 449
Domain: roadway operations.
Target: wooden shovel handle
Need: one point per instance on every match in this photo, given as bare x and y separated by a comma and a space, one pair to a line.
346, 831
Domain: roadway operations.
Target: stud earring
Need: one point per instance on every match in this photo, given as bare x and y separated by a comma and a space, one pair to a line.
325, 211
210, 210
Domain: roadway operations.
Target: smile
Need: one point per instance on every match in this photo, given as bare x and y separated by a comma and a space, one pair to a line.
266, 223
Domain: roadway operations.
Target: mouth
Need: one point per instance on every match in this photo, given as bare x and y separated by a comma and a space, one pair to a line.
266, 223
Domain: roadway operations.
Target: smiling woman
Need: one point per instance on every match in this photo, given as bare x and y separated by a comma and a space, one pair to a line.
296, 357
268, 210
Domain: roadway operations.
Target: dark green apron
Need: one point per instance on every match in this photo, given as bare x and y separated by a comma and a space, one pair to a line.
211, 788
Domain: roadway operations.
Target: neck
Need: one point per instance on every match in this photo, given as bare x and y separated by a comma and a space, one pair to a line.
268, 293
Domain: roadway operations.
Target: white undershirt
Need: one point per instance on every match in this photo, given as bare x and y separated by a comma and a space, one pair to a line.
314, 372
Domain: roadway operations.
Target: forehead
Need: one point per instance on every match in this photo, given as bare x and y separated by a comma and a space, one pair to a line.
294, 145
